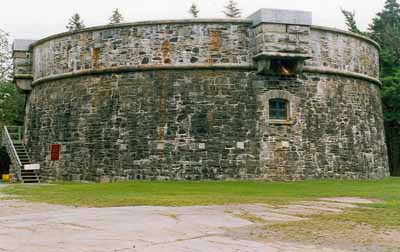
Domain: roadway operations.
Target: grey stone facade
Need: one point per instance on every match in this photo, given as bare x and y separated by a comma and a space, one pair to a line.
184, 100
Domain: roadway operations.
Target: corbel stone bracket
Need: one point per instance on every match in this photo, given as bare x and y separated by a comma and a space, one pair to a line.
23, 82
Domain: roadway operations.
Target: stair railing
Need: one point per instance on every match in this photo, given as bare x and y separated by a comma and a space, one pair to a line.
8, 143
15, 133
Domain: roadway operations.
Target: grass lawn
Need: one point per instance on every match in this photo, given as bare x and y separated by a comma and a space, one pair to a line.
135, 193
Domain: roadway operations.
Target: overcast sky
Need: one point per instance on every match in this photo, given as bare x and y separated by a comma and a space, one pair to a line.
38, 18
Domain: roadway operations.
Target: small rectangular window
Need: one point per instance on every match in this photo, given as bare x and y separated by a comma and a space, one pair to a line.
278, 109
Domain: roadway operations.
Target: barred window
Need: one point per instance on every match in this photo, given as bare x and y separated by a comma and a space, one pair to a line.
278, 109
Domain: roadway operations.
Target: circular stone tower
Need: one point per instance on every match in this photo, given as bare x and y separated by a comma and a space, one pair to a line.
269, 97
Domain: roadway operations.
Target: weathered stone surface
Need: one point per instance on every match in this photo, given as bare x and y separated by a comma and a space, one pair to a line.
22, 63
199, 45
160, 45
277, 16
184, 101
205, 125
343, 52
282, 38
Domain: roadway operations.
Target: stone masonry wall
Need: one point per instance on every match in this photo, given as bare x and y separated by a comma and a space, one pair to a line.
343, 52
183, 100
198, 44
148, 45
205, 125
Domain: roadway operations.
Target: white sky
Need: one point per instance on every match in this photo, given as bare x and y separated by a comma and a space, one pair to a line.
38, 18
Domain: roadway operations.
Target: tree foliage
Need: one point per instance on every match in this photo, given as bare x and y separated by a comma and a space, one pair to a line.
385, 29
194, 10
5, 57
116, 17
75, 23
351, 21
232, 10
12, 104
391, 97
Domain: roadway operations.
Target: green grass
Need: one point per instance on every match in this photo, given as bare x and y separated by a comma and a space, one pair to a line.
206, 193
386, 213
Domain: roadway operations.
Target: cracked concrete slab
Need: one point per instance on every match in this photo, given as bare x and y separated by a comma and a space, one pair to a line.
27, 227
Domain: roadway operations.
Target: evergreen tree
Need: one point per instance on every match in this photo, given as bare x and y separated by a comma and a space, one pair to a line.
116, 17
232, 10
388, 17
75, 23
351, 21
194, 11
12, 105
385, 29
5, 57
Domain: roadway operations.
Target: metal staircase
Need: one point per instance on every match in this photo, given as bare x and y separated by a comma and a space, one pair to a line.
25, 171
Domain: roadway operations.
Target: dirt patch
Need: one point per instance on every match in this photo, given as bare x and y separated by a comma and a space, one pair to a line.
10, 206
333, 235
322, 229
19, 207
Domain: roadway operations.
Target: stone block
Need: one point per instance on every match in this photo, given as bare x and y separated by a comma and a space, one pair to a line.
105, 179
273, 28
270, 38
276, 16
240, 145
22, 44
297, 29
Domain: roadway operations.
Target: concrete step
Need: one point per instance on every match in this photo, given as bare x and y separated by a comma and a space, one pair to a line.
31, 182
30, 179
29, 174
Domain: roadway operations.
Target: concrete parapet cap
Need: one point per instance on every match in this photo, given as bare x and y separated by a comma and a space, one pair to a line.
22, 45
122, 69
309, 69
332, 71
279, 16
23, 76
145, 23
